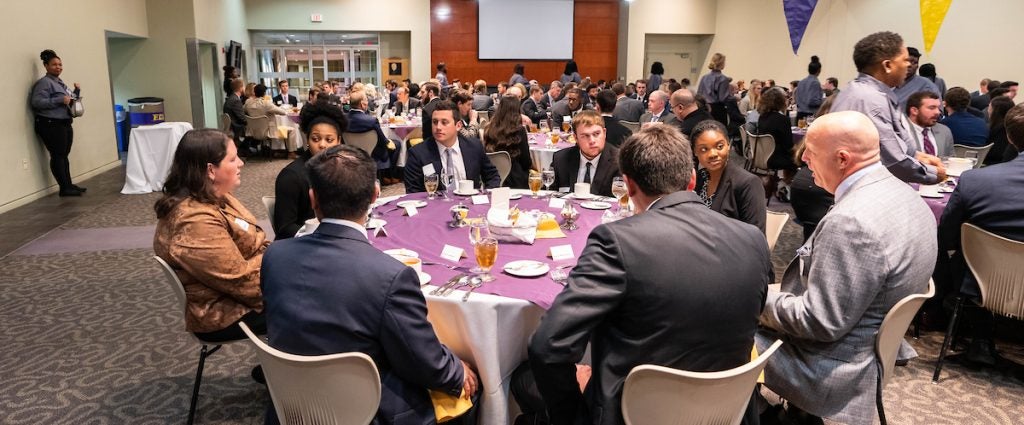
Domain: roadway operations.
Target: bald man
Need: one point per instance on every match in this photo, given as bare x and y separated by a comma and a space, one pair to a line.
860, 261
686, 110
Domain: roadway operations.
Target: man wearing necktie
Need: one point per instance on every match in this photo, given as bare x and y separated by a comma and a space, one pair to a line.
923, 110
656, 109
590, 160
448, 154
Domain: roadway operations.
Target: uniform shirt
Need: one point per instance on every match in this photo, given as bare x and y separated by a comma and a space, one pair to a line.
714, 87
808, 95
48, 98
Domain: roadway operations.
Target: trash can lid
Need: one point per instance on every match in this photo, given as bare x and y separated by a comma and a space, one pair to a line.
146, 100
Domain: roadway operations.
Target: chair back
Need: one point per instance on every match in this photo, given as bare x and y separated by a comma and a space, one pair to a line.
503, 162
960, 151
894, 326
269, 202
173, 281
366, 140
632, 126
414, 137
996, 263
657, 395
259, 128
757, 150
773, 227
336, 389
225, 123
483, 115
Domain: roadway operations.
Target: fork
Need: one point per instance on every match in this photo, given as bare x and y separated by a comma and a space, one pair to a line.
448, 266
474, 282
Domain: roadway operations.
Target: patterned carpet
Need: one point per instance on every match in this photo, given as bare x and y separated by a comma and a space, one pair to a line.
93, 337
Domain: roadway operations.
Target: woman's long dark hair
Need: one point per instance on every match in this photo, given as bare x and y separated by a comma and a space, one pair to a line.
502, 132
187, 178
1000, 106
570, 67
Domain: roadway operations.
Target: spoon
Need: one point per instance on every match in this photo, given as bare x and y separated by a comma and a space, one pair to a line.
474, 282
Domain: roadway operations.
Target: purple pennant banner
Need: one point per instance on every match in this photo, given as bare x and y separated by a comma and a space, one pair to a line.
798, 14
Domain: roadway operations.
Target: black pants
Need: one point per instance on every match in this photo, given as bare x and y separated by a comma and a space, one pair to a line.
257, 322
57, 136
719, 113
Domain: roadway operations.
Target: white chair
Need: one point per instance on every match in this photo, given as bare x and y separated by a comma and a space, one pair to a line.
656, 395
270, 202
773, 227
890, 336
632, 126
503, 162
225, 123
260, 129
365, 141
339, 388
483, 115
960, 151
206, 351
996, 264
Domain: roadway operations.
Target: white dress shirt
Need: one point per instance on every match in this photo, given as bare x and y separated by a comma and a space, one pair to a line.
460, 166
346, 223
583, 167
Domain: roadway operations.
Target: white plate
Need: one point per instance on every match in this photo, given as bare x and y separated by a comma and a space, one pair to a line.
469, 193
930, 195
375, 223
526, 268
585, 196
515, 196
424, 278
595, 205
402, 251
414, 203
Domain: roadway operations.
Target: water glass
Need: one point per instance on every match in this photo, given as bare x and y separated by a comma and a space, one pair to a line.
548, 178
430, 183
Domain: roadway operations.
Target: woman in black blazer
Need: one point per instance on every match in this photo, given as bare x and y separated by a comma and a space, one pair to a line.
723, 186
505, 132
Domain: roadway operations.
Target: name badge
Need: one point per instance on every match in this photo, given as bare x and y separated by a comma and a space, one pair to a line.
452, 253
242, 223
562, 252
428, 170
557, 203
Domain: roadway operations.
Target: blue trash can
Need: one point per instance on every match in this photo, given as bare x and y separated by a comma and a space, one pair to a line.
145, 111
120, 117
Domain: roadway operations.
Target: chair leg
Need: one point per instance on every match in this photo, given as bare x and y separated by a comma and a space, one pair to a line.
948, 339
203, 354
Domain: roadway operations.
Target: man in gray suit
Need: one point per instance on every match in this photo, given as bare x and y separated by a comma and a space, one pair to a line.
860, 261
626, 109
657, 110
932, 138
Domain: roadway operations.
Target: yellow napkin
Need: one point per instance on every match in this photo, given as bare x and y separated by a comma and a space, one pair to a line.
415, 141
753, 356
282, 131
448, 407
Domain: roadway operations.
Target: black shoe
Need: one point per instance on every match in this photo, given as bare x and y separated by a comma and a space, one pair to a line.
257, 375
982, 352
70, 192
794, 415
902, 362
79, 188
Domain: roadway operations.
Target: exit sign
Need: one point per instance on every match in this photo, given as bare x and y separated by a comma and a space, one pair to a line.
316, 17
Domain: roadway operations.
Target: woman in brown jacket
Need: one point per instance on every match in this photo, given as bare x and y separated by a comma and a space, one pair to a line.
210, 239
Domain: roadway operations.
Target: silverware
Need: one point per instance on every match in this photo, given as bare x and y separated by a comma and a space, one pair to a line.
448, 266
462, 282
451, 281
474, 282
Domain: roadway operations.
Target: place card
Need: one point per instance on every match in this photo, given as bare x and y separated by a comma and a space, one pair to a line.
410, 210
453, 253
479, 199
561, 252
557, 203
379, 232
564, 189
499, 198
428, 170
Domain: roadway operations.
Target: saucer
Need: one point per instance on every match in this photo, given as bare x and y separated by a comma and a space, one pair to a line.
595, 205
414, 203
526, 268
468, 193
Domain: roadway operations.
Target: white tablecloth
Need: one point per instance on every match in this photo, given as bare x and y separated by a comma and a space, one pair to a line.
295, 138
490, 333
398, 132
150, 153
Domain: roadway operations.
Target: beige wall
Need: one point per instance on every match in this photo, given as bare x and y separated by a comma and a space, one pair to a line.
76, 30
690, 17
351, 15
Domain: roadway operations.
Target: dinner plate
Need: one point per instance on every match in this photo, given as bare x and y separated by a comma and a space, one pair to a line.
375, 223
595, 205
469, 193
585, 196
413, 203
515, 196
424, 278
930, 195
527, 268
402, 251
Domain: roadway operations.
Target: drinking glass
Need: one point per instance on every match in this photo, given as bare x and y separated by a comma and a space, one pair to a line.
430, 182
548, 178
621, 194
486, 253
544, 127
535, 182
478, 231
973, 156
449, 181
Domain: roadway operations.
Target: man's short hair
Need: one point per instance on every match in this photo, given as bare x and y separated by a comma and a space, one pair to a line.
998, 91
355, 98
658, 159
461, 96
993, 84
1014, 124
237, 84
574, 90
1007, 84
280, 82
658, 95
586, 118
876, 48
503, 84
447, 105
683, 98
260, 90
913, 52
606, 101
536, 89
343, 178
641, 81
480, 86
554, 84
833, 81
958, 98
618, 89
916, 99
431, 88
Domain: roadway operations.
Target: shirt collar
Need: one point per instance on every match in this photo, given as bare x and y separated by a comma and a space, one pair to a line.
913, 125
852, 179
455, 148
584, 160
347, 223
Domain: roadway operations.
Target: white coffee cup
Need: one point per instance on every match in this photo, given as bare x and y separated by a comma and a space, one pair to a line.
582, 190
957, 166
413, 262
465, 186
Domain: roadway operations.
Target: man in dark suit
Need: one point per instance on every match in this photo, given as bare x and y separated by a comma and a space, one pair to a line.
531, 106
404, 102
626, 109
590, 160
468, 160
361, 300
569, 106
385, 153
991, 198
614, 132
431, 93
635, 306
553, 95
284, 97
235, 110
657, 109
687, 112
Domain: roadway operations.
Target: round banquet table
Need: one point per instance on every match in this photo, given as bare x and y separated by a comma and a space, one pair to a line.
541, 152
492, 329
937, 205
398, 131
150, 154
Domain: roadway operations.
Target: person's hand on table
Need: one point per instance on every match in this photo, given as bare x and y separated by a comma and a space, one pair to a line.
934, 161
583, 373
469, 380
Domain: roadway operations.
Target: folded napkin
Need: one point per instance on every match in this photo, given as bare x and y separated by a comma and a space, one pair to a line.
448, 407
547, 228
524, 229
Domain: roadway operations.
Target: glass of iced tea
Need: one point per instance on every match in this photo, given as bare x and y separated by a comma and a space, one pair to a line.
554, 137
486, 253
535, 182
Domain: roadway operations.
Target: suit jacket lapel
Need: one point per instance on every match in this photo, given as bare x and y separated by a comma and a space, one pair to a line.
574, 165
724, 187
435, 159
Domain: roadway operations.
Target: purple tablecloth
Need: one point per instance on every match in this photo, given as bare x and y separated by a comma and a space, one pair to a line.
428, 232
937, 205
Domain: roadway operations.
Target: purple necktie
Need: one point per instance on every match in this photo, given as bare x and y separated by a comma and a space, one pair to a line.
929, 148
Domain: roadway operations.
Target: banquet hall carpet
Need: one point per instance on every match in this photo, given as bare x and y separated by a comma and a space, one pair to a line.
91, 334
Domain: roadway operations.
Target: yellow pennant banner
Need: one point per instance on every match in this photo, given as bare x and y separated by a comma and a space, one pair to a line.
933, 12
